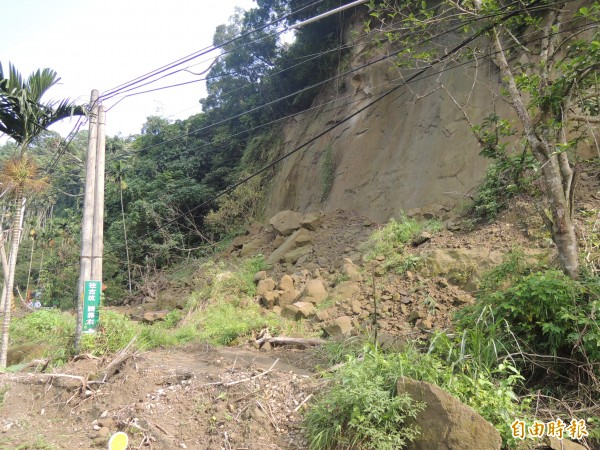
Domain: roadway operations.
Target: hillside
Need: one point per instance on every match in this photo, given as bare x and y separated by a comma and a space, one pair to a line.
381, 235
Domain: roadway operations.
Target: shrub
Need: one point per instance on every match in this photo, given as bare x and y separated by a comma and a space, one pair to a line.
115, 331
327, 171
222, 322
546, 311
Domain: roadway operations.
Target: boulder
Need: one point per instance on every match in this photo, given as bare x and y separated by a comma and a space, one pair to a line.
305, 310
289, 312
268, 284
295, 255
286, 222
446, 423
171, 299
262, 275
288, 297
460, 266
342, 326
269, 299
350, 270
25, 352
315, 291
154, 316
312, 221
346, 290
552, 443
299, 238
252, 247
286, 283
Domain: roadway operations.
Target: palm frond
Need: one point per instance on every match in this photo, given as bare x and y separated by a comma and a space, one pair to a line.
22, 114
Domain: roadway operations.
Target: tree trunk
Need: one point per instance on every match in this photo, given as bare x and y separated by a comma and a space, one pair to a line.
10, 278
556, 171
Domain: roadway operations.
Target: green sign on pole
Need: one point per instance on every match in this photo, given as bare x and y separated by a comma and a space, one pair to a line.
91, 305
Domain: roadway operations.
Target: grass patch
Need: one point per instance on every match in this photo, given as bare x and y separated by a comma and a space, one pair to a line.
49, 327
326, 171
390, 242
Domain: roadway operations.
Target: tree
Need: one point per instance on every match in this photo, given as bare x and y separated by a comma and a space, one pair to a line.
549, 75
24, 117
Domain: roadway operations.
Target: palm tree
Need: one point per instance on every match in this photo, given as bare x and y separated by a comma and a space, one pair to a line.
23, 117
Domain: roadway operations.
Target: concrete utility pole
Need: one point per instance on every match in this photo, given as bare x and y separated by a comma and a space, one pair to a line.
98, 231
93, 201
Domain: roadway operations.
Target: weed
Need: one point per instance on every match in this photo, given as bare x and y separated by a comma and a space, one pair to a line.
223, 322
362, 409
390, 241
327, 171
489, 389
50, 327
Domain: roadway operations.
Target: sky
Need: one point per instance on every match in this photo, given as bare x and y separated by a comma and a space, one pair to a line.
105, 43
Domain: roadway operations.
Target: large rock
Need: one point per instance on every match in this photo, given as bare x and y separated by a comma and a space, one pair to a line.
155, 316
265, 285
299, 238
315, 291
446, 423
351, 270
299, 310
342, 326
25, 352
344, 291
552, 443
288, 297
461, 266
312, 221
286, 222
286, 283
293, 256
253, 246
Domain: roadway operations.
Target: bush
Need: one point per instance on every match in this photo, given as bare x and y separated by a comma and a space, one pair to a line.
226, 309
114, 332
543, 309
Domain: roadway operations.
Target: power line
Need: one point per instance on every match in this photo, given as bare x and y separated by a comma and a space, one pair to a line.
315, 85
199, 53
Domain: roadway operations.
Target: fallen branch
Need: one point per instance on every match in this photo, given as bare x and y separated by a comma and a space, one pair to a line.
282, 340
121, 357
243, 380
303, 402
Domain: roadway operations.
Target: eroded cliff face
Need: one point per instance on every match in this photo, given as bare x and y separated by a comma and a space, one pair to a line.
413, 149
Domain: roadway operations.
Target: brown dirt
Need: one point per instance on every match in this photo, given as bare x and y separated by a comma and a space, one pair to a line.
164, 400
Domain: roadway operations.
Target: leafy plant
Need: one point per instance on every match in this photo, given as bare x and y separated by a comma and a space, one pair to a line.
488, 388
362, 409
545, 310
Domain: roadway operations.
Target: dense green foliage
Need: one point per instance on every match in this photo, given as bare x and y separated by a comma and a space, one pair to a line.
546, 312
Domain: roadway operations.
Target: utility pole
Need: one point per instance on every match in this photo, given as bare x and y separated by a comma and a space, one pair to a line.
98, 231
89, 206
